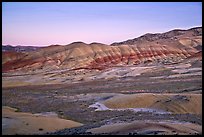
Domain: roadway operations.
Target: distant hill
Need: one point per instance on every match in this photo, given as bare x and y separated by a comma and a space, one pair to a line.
173, 34
19, 48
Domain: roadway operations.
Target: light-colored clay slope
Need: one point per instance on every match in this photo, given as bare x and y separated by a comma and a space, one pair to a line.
26, 123
150, 127
174, 103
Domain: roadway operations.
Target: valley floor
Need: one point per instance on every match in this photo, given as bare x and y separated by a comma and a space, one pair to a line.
160, 100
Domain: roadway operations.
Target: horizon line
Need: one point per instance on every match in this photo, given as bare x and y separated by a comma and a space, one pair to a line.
30, 45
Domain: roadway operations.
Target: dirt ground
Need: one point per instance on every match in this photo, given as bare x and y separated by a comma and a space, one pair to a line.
155, 88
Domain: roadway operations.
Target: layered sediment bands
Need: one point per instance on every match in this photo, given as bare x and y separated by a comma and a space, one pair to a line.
147, 49
97, 57
11, 55
133, 55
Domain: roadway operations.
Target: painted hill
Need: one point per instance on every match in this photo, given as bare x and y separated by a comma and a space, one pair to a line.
170, 47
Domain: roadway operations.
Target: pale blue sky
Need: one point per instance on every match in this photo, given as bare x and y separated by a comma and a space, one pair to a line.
46, 23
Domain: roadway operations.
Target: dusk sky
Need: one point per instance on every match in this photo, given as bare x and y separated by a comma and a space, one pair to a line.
47, 23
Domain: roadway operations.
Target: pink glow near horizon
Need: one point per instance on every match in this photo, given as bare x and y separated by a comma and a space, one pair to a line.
44, 24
